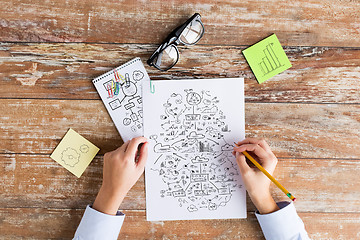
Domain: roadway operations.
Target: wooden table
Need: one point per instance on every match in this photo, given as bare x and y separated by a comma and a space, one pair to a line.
310, 114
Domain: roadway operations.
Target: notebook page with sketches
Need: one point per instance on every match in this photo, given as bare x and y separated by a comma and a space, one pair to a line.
192, 126
120, 90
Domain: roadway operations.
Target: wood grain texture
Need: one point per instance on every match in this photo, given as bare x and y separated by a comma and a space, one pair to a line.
20, 223
320, 75
301, 23
293, 130
38, 181
310, 114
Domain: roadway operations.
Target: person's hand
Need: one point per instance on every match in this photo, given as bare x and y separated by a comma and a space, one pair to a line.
122, 168
256, 182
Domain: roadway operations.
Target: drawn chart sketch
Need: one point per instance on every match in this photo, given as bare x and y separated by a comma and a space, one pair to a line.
270, 62
120, 90
267, 58
192, 173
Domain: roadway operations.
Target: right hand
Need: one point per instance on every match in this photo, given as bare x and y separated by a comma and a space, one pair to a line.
257, 183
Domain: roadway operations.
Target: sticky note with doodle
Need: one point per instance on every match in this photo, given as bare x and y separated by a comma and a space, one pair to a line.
267, 58
74, 153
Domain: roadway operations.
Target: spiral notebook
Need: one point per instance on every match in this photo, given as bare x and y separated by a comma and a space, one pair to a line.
121, 92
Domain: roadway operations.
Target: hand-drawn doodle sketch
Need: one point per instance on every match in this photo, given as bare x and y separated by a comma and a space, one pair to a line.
129, 98
270, 62
138, 75
70, 156
192, 156
120, 90
84, 148
194, 133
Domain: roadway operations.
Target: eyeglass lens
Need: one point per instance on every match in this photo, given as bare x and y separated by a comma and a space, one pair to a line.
192, 33
167, 58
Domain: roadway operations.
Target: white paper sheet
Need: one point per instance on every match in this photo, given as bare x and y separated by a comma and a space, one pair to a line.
120, 90
192, 126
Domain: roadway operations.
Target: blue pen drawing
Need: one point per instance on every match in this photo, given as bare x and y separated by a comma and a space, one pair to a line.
193, 159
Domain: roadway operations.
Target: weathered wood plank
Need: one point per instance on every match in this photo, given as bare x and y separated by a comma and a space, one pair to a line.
317, 143
293, 130
38, 181
19, 223
322, 75
309, 23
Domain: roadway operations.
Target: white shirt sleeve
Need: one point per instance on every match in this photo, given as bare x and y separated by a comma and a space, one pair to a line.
284, 224
97, 225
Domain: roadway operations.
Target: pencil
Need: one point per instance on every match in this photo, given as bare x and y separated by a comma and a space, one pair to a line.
269, 176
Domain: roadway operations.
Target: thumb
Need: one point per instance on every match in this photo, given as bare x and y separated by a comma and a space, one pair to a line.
143, 155
241, 161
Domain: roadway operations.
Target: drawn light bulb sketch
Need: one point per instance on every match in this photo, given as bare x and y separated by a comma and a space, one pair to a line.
193, 158
70, 157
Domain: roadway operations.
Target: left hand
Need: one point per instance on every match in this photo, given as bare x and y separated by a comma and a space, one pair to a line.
122, 168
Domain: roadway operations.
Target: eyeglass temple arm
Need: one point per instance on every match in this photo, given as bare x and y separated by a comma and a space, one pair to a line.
156, 52
170, 39
177, 32
165, 44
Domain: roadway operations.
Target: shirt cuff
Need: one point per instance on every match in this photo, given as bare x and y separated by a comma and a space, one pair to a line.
282, 224
97, 225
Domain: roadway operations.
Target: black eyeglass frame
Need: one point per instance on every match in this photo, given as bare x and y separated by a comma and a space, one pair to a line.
174, 39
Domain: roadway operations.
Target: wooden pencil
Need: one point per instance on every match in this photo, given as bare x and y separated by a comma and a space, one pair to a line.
248, 156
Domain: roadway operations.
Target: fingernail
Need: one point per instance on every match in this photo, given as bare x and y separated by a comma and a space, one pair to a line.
237, 154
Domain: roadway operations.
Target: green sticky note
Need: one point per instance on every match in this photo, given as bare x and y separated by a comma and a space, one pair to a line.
74, 153
267, 58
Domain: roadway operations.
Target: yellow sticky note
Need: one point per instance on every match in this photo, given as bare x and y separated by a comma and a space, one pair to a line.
74, 153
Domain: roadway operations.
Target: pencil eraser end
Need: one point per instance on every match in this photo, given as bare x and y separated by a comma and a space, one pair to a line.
294, 199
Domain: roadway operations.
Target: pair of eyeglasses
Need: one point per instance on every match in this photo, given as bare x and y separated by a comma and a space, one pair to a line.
167, 54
